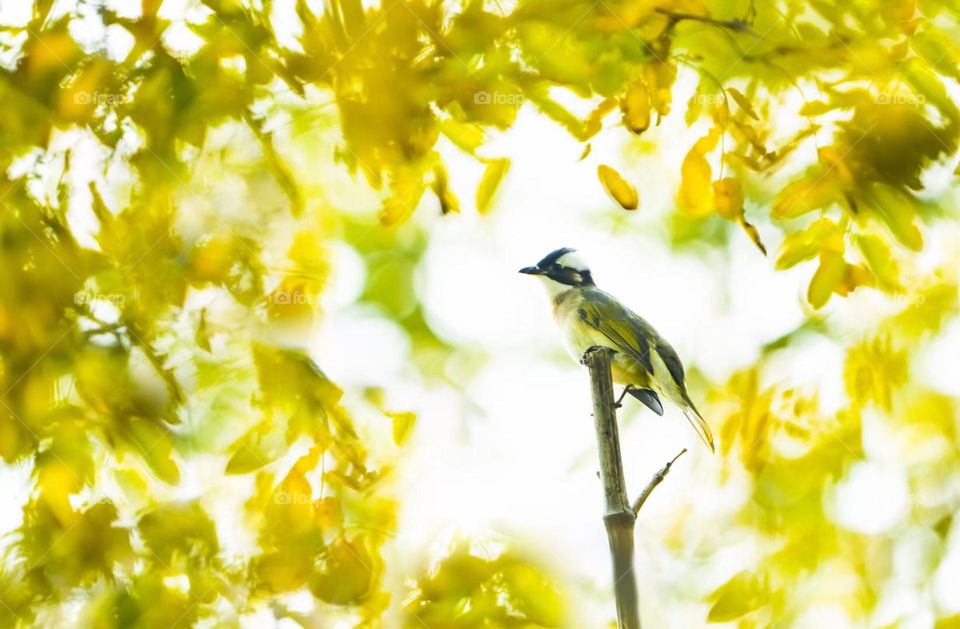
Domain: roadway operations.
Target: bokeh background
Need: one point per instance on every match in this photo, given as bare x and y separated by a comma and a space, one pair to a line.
267, 359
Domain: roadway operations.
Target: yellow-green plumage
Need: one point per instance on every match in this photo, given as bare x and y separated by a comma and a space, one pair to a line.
588, 316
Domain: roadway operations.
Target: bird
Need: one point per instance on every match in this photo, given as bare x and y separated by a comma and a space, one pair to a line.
643, 362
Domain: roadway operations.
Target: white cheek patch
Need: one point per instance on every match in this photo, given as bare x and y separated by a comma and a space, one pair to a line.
573, 260
553, 287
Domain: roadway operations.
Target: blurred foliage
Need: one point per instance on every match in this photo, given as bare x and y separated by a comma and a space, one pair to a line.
797, 459
468, 590
163, 254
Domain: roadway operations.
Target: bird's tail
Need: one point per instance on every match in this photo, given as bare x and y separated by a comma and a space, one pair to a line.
698, 422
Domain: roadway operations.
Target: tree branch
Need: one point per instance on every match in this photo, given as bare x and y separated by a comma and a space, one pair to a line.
656, 480
619, 517
738, 26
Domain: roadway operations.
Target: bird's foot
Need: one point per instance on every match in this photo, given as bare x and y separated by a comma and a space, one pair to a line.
626, 390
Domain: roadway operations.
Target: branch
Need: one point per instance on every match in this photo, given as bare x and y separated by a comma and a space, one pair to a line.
737, 26
656, 480
619, 518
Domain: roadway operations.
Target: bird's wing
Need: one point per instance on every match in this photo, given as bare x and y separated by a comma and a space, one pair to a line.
626, 330
670, 359
630, 334
675, 367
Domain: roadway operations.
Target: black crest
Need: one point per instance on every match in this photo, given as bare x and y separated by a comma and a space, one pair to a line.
550, 267
553, 256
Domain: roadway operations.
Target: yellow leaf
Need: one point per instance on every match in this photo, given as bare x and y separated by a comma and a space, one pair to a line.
696, 192
284, 570
896, 209
212, 258
695, 189
78, 100
826, 279
202, 336
802, 196
881, 261
406, 189
743, 103
402, 423
492, 177
832, 160
540, 97
660, 77
468, 137
708, 142
728, 198
57, 482
803, 245
635, 105
815, 108
349, 572
873, 369
153, 442
854, 277
728, 202
754, 234
742, 594
262, 444
183, 529
619, 189
449, 204
594, 121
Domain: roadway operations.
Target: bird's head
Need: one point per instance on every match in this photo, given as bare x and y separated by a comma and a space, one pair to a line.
561, 270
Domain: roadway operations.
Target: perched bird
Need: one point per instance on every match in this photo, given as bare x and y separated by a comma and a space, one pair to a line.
644, 362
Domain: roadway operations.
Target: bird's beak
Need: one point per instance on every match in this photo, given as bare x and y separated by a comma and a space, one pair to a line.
531, 270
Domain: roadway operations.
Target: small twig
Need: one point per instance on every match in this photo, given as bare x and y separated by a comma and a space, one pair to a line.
656, 480
737, 26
